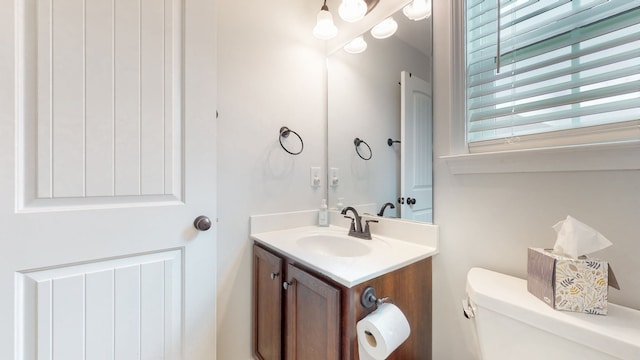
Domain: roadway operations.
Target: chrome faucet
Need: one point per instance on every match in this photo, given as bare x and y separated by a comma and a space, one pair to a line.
356, 224
390, 205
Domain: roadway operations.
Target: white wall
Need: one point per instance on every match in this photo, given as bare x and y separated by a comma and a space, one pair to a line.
490, 220
271, 73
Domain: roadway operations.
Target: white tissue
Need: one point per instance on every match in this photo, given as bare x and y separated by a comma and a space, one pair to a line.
381, 332
576, 239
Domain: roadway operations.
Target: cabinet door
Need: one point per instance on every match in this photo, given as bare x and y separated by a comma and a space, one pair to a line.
267, 275
312, 326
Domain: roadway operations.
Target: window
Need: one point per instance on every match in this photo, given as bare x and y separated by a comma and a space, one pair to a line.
557, 72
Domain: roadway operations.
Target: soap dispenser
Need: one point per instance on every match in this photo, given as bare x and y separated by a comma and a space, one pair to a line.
323, 214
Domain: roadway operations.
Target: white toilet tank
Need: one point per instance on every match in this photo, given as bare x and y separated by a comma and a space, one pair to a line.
512, 324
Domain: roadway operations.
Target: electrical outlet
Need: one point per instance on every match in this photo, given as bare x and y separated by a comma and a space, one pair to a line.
314, 178
334, 176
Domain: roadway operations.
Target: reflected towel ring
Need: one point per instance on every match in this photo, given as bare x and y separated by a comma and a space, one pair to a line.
284, 133
357, 142
390, 141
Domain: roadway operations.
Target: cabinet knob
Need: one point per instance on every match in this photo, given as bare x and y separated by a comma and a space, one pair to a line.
274, 275
286, 285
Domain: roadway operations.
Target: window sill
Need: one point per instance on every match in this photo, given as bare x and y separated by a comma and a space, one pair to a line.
597, 157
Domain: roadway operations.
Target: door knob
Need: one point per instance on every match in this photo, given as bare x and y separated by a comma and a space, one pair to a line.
202, 223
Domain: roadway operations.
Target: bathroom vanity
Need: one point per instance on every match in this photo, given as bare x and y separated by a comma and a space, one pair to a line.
307, 302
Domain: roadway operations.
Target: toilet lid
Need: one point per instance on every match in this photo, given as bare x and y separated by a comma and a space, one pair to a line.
617, 333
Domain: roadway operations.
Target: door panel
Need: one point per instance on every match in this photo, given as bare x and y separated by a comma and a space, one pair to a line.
107, 115
99, 103
267, 277
313, 317
119, 307
416, 149
100, 314
103, 88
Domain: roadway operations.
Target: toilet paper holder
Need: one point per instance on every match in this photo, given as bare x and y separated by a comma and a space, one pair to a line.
368, 298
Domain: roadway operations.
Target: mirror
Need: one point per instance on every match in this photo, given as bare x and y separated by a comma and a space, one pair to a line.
369, 95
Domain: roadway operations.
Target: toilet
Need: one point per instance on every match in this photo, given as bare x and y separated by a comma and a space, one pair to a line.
510, 323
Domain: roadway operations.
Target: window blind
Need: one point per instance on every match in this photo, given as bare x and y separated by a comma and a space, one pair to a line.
551, 72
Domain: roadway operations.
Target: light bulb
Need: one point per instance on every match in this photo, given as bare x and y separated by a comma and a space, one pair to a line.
325, 29
385, 29
352, 10
418, 10
356, 46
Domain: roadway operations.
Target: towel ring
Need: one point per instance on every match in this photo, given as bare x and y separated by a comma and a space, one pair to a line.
357, 142
284, 133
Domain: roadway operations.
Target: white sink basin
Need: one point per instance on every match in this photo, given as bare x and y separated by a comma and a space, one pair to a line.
334, 245
346, 259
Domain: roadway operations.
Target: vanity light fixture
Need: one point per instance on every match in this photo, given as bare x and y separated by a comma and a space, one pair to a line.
325, 29
356, 46
352, 10
384, 29
418, 10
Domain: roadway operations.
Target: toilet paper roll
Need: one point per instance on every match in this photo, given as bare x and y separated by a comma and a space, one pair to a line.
381, 332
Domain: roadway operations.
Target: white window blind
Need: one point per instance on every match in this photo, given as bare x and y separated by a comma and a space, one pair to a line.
551, 72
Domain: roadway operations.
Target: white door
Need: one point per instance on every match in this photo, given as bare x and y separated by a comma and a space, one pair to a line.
107, 155
416, 182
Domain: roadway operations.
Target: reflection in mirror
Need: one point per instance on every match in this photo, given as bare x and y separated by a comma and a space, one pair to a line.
383, 95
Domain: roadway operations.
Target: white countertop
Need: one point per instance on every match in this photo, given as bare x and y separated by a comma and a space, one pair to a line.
386, 254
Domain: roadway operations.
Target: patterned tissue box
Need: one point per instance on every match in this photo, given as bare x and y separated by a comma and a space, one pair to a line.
564, 283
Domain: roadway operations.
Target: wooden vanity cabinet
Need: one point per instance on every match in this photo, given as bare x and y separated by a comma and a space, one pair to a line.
312, 329
410, 289
267, 304
315, 317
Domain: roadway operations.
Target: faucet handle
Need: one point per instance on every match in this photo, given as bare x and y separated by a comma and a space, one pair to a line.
353, 223
366, 227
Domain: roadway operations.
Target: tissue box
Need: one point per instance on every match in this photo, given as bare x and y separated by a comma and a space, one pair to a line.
564, 283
